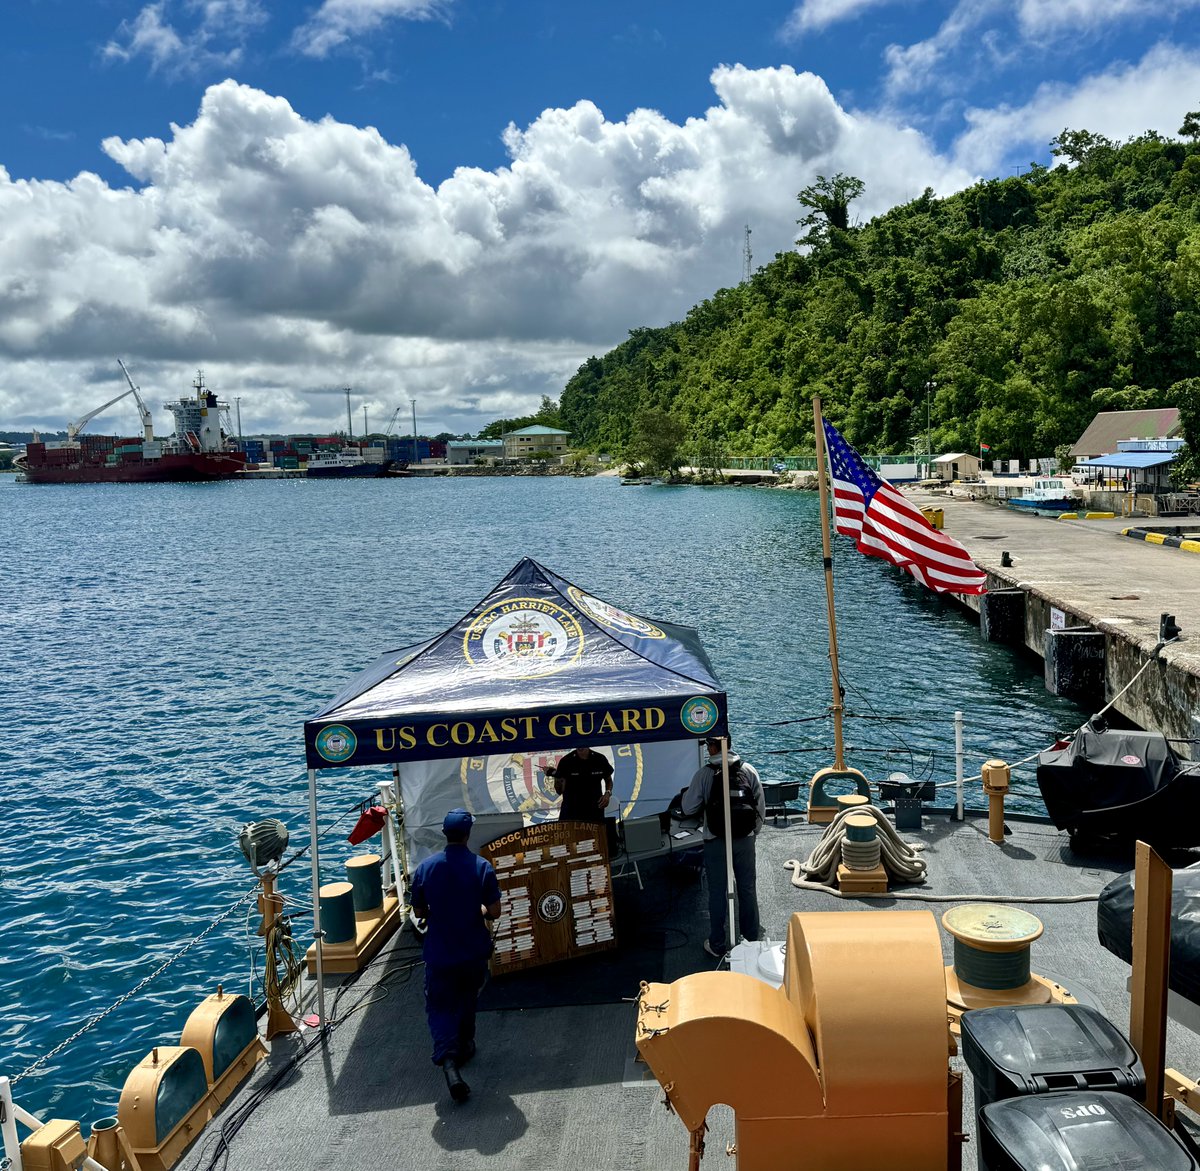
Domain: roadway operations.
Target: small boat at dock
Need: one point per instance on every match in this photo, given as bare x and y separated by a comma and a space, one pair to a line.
1049, 492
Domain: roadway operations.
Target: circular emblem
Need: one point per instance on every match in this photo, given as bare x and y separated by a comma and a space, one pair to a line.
551, 907
700, 715
524, 638
517, 783
611, 617
1131, 759
336, 743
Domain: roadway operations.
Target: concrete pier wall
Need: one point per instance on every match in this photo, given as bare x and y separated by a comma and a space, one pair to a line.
1097, 581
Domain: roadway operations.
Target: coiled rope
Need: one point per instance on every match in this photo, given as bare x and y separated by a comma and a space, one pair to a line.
796, 867
900, 859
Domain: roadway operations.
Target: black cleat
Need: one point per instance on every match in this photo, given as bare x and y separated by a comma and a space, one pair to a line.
459, 1090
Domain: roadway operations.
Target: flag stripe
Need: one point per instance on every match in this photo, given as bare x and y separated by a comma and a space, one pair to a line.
886, 524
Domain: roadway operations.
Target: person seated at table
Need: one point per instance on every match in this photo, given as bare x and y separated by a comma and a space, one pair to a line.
584, 781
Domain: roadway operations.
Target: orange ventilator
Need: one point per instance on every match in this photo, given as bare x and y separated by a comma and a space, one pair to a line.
844, 1068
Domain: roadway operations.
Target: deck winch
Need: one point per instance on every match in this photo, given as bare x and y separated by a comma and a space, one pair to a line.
991, 960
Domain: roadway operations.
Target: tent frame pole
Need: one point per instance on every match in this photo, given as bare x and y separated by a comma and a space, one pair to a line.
318, 934
730, 881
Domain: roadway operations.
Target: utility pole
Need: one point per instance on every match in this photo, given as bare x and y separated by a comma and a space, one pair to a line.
747, 257
349, 418
416, 460
930, 387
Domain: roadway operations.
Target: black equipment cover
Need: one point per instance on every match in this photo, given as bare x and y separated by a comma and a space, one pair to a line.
1124, 784
1114, 925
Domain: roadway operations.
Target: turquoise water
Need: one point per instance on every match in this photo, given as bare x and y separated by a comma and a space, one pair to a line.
161, 646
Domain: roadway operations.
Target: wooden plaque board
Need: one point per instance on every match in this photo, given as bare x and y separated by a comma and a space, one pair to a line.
556, 887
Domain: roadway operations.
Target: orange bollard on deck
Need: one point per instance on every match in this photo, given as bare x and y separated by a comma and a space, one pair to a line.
996, 775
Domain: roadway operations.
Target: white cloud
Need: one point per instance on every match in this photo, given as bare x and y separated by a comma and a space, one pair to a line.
980, 34
217, 37
339, 21
912, 68
816, 15
1123, 101
1038, 18
291, 258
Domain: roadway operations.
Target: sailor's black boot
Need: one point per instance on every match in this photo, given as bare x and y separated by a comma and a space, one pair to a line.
459, 1090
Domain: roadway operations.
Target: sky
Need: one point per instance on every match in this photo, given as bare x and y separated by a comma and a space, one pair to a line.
457, 202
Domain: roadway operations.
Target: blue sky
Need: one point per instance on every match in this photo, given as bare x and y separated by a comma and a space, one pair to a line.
460, 202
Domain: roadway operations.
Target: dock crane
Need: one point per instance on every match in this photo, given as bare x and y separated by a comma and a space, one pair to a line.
387, 434
73, 429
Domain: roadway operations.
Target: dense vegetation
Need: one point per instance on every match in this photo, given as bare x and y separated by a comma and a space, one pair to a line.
1011, 312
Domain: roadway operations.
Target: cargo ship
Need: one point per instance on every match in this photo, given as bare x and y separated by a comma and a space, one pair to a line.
198, 450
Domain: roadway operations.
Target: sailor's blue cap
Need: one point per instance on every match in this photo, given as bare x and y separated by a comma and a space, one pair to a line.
457, 823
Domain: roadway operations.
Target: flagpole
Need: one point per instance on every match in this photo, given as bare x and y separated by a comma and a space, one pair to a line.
827, 560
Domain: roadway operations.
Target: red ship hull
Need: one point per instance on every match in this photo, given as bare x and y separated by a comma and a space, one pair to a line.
83, 466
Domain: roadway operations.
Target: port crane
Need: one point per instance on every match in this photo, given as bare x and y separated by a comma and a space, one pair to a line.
387, 434
73, 429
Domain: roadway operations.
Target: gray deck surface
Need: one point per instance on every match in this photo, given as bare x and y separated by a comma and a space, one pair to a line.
558, 1087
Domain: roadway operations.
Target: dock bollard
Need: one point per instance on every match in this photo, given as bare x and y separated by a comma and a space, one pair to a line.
996, 775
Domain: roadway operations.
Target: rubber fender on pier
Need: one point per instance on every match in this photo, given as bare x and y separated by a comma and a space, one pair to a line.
844, 1068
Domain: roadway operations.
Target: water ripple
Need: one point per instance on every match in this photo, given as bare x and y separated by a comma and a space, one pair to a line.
161, 647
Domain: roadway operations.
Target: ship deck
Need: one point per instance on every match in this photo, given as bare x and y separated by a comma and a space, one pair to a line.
556, 1083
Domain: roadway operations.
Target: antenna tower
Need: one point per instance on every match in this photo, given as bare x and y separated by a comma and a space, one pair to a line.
747, 257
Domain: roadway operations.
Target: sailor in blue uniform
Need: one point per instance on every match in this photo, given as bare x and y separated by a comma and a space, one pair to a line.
455, 891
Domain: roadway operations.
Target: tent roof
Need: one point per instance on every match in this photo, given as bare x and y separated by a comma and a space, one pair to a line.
1131, 459
1108, 428
539, 663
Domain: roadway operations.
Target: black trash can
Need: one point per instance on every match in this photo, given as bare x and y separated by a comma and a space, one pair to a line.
1046, 1048
1076, 1131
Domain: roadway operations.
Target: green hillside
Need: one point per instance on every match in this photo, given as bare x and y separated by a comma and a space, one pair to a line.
1032, 302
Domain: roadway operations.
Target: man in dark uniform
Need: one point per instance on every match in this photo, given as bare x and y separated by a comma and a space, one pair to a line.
455, 891
584, 781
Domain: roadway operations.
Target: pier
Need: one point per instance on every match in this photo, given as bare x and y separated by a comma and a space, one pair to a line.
1088, 601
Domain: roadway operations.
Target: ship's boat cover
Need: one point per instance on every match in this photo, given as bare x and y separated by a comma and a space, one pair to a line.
1114, 924
1124, 783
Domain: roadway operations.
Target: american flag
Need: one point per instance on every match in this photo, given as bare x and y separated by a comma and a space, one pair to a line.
885, 524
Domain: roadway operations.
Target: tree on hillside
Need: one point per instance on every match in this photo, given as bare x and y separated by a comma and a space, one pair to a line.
656, 440
829, 202
1127, 398
547, 414
1191, 126
1079, 145
1185, 394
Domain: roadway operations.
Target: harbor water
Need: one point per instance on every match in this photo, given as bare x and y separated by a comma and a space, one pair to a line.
162, 645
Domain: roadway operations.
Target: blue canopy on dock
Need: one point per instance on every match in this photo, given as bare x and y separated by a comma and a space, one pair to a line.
1130, 459
537, 665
